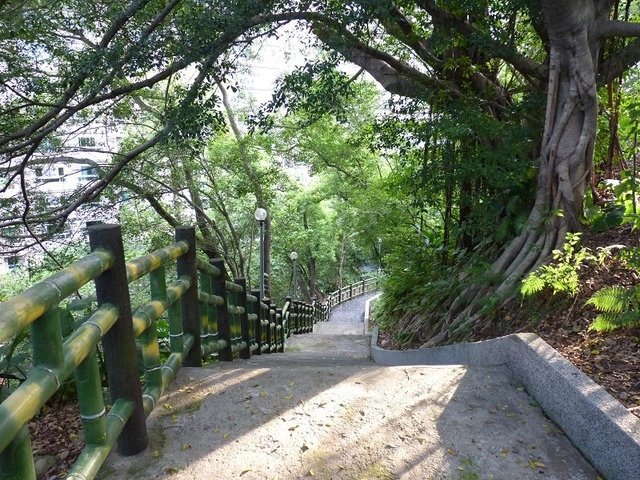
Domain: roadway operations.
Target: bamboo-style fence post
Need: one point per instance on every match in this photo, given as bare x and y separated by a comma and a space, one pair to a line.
119, 342
270, 339
187, 267
245, 352
258, 325
290, 317
272, 325
222, 314
149, 338
205, 313
280, 331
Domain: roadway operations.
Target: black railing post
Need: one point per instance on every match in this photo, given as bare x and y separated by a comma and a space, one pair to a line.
245, 353
314, 309
296, 312
222, 315
258, 329
186, 266
274, 321
119, 342
280, 333
290, 313
267, 317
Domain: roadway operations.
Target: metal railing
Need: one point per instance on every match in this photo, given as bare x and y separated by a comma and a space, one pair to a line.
206, 313
349, 292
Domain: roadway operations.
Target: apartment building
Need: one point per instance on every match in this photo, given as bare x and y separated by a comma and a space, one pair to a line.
62, 166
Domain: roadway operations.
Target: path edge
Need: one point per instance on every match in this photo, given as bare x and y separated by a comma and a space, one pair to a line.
597, 424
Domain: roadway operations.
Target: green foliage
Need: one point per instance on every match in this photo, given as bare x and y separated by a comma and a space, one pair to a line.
562, 274
618, 306
15, 362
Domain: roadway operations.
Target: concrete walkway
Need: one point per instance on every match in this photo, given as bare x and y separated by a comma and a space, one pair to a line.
324, 410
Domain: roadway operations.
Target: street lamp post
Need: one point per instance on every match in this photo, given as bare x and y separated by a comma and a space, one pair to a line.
261, 215
294, 256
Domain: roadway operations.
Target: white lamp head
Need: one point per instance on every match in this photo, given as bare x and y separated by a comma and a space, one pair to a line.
293, 256
260, 214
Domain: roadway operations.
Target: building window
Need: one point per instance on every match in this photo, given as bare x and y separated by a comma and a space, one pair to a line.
38, 171
88, 173
87, 142
13, 262
61, 171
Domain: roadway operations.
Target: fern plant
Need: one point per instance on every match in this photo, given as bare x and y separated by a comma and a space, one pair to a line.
618, 306
561, 275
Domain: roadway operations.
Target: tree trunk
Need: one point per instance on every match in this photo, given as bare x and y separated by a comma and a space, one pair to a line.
256, 183
565, 162
311, 262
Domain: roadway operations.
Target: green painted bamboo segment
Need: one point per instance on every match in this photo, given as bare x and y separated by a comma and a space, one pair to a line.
16, 460
25, 402
42, 382
92, 410
46, 340
215, 346
175, 327
139, 267
205, 310
222, 316
93, 456
81, 342
213, 300
175, 361
209, 268
212, 328
251, 298
19, 311
232, 287
238, 347
149, 339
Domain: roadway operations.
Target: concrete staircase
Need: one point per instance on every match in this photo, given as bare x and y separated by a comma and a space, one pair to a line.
324, 410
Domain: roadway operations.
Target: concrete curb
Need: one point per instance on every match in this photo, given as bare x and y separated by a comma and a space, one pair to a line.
367, 312
597, 424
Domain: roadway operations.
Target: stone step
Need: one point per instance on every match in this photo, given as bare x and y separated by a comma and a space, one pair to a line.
339, 328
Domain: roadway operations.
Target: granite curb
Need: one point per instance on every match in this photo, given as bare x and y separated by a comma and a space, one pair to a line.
597, 424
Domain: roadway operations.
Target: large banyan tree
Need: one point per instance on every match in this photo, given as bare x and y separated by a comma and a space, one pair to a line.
450, 49
68, 61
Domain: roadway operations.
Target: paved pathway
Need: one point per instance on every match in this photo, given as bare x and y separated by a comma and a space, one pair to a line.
323, 410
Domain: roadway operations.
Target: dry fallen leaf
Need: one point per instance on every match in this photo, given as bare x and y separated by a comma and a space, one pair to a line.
536, 464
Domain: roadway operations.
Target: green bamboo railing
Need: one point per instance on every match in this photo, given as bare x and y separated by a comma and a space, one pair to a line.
208, 315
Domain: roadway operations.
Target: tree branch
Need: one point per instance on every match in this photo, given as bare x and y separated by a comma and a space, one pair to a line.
523, 64
619, 63
618, 28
